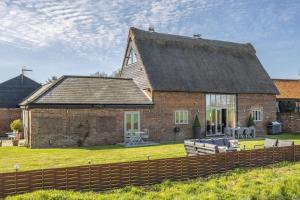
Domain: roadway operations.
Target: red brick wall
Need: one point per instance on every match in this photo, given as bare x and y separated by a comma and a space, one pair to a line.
265, 102
7, 115
65, 127
290, 121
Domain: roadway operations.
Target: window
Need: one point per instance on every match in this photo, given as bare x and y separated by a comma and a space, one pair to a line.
181, 117
131, 57
257, 115
220, 113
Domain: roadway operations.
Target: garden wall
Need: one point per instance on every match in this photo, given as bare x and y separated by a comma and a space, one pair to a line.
7, 115
290, 121
265, 102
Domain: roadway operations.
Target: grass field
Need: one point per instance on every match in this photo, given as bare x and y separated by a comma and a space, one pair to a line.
281, 181
30, 159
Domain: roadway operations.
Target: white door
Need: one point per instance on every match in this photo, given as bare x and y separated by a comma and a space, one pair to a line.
131, 123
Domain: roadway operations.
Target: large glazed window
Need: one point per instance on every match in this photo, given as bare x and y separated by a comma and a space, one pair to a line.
220, 113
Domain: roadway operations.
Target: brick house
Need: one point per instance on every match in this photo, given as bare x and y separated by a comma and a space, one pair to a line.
12, 92
288, 104
166, 80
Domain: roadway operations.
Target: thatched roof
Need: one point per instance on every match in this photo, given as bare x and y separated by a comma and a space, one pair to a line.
177, 63
87, 91
288, 89
14, 90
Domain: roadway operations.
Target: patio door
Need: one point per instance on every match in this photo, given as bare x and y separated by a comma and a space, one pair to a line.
131, 123
218, 121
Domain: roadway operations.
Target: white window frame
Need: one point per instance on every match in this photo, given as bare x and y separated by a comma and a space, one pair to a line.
131, 57
181, 112
255, 113
131, 115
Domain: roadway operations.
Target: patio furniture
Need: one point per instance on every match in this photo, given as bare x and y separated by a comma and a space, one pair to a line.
209, 146
135, 138
11, 135
269, 143
145, 135
285, 143
228, 132
240, 133
248, 133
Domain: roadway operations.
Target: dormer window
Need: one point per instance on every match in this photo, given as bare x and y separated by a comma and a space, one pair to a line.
131, 57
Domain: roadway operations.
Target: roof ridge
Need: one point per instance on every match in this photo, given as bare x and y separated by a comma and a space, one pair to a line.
284, 79
247, 44
100, 77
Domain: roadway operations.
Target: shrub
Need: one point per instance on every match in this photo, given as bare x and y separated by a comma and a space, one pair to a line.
196, 122
250, 121
16, 125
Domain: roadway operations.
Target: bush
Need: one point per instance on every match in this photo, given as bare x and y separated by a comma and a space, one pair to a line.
196, 122
250, 121
16, 125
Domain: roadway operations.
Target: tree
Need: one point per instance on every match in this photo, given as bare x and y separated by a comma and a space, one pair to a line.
100, 74
114, 74
16, 125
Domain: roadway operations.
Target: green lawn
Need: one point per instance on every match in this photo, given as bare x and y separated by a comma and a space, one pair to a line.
281, 181
30, 159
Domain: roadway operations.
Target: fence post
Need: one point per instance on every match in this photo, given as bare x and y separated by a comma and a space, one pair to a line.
16, 184
273, 152
66, 174
129, 163
43, 178
89, 176
148, 171
225, 159
294, 152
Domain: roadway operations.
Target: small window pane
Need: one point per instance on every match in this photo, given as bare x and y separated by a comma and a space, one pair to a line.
181, 117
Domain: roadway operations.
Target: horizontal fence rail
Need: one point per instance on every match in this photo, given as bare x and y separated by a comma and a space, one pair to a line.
116, 175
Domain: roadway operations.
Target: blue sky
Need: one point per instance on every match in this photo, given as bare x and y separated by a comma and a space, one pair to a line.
81, 37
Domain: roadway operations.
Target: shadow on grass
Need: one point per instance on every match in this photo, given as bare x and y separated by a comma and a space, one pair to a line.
111, 147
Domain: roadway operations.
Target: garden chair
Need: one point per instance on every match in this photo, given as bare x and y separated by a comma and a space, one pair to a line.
145, 135
269, 143
248, 133
227, 132
240, 133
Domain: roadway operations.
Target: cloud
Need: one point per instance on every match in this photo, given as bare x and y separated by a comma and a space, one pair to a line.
89, 27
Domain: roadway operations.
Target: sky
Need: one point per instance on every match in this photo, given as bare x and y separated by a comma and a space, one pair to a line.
81, 37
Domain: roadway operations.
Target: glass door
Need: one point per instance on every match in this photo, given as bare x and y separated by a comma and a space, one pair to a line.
220, 113
131, 123
218, 121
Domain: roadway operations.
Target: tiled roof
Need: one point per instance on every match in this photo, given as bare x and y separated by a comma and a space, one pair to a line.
15, 90
83, 90
288, 89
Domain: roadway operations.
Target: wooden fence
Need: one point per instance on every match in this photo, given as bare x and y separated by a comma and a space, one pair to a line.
116, 175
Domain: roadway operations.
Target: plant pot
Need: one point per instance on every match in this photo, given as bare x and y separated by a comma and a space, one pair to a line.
197, 132
15, 143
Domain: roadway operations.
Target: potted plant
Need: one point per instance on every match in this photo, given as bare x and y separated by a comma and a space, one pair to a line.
196, 128
16, 127
251, 122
